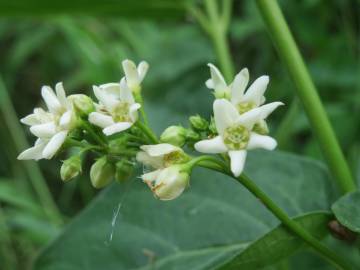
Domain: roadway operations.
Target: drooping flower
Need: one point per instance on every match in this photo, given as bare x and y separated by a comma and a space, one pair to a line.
52, 126
236, 134
117, 110
134, 75
170, 176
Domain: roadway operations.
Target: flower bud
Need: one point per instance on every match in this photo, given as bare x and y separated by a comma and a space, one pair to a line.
198, 123
124, 169
102, 173
175, 135
212, 126
70, 168
168, 183
82, 104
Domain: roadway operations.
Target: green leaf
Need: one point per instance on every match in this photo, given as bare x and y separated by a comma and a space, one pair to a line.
128, 8
347, 211
214, 220
279, 243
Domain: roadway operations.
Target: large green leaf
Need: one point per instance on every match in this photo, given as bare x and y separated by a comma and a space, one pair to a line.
207, 226
129, 8
347, 211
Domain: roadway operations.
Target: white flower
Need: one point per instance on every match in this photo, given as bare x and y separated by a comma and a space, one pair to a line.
134, 75
168, 183
235, 92
236, 134
117, 110
50, 127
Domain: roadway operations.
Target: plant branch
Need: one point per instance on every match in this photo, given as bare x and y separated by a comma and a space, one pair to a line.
307, 93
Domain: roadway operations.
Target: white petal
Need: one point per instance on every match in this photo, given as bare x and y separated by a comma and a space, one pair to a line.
150, 177
107, 100
267, 109
60, 93
65, 119
238, 86
142, 70
237, 161
30, 120
218, 80
112, 89
117, 127
261, 141
54, 144
50, 99
43, 116
225, 114
100, 120
209, 84
131, 73
34, 152
46, 130
249, 118
133, 111
160, 149
212, 146
125, 92
146, 159
256, 90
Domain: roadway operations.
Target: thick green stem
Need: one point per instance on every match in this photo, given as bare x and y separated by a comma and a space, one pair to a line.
148, 132
307, 93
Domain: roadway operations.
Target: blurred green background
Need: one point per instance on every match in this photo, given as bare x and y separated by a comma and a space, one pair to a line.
42, 49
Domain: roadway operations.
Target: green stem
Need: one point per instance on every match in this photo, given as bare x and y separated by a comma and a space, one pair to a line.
292, 225
139, 99
148, 132
32, 168
89, 129
307, 93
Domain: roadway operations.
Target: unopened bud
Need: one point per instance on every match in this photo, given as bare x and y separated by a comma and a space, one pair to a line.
70, 168
102, 173
175, 135
198, 123
82, 104
212, 126
124, 169
192, 135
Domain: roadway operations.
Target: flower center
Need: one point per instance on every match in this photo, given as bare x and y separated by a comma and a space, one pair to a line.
175, 157
121, 112
236, 137
245, 107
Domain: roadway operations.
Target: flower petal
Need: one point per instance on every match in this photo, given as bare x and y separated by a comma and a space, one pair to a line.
131, 73
46, 130
225, 114
267, 109
212, 146
160, 149
60, 93
100, 120
30, 120
65, 119
106, 99
117, 127
34, 152
150, 177
237, 161
261, 141
147, 160
112, 89
249, 118
239, 85
125, 92
50, 99
256, 91
133, 111
217, 78
54, 144
142, 70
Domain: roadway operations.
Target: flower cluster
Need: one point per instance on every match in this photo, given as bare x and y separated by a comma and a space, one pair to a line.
115, 129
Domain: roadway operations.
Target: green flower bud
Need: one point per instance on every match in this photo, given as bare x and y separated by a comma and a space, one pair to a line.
198, 123
124, 169
82, 104
70, 168
212, 126
175, 135
102, 173
192, 135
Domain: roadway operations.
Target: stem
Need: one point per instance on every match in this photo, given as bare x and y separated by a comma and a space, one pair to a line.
148, 132
307, 93
139, 99
328, 254
88, 128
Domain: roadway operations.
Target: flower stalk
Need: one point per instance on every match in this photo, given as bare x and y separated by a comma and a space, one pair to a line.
307, 93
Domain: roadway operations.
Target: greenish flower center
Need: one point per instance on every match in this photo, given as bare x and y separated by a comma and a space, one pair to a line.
236, 137
245, 107
175, 157
121, 112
